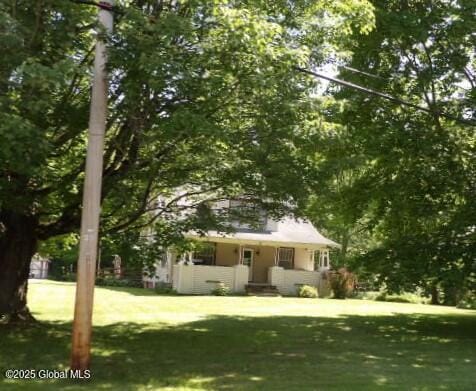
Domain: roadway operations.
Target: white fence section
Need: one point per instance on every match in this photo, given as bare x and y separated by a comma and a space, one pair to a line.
201, 280
288, 281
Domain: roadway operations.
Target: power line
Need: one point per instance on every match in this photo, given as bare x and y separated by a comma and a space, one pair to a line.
355, 70
372, 75
391, 98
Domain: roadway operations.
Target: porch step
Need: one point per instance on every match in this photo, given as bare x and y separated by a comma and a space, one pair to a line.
258, 289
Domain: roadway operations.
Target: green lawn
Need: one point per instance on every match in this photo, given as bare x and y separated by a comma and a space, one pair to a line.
145, 342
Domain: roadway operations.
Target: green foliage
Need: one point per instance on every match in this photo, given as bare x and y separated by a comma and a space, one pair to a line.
71, 277
398, 183
62, 250
60, 247
342, 282
307, 291
401, 298
204, 103
203, 98
221, 290
134, 247
118, 282
468, 301
164, 289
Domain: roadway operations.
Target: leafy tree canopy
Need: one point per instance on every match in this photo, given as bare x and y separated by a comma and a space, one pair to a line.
203, 97
405, 177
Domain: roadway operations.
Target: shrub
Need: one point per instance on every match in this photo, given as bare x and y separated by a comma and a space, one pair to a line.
221, 290
67, 277
342, 283
371, 295
115, 282
307, 291
405, 297
392, 298
70, 277
381, 296
468, 301
164, 289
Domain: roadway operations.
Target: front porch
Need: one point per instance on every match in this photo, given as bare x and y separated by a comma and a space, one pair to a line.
246, 266
259, 257
202, 280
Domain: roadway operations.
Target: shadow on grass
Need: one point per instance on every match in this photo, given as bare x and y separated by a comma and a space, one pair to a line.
401, 352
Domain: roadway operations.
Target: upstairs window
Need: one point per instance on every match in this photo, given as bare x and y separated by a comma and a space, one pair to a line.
247, 215
286, 257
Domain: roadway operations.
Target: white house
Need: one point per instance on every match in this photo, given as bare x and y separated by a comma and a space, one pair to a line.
279, 256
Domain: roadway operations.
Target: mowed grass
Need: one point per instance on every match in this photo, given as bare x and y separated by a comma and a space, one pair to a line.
143, 341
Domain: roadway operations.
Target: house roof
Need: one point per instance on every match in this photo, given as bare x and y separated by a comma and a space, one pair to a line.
289, 232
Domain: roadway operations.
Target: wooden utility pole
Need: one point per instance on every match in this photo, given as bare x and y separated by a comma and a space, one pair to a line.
88, 245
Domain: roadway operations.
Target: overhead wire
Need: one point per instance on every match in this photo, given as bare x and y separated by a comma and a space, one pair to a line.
386, 96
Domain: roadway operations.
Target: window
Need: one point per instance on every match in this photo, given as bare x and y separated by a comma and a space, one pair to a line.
286, 257
323, 259
205, 255
246, 214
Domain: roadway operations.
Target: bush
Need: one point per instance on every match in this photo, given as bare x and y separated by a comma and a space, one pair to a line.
124, 282
164, 289
221, 290
342, 283
70, 277
371, 295
307, 291
468, 301
405, 297
392, 298
66, 277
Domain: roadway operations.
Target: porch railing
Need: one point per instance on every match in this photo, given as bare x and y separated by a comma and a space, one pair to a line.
202, 280
288, 281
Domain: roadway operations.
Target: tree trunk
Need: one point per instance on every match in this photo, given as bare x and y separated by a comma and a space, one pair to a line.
434, 295
344, 246
451, 294
18, 243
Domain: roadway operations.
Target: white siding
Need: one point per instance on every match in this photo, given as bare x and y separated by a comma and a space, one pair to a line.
303, 259
288, 281
202, 280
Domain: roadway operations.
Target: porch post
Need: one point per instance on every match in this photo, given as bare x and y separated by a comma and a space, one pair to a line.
240, 255
276, 256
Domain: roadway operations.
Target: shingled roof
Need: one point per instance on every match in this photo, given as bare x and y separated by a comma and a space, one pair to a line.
289, 232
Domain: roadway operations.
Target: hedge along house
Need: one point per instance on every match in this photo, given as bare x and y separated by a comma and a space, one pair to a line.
274, 257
